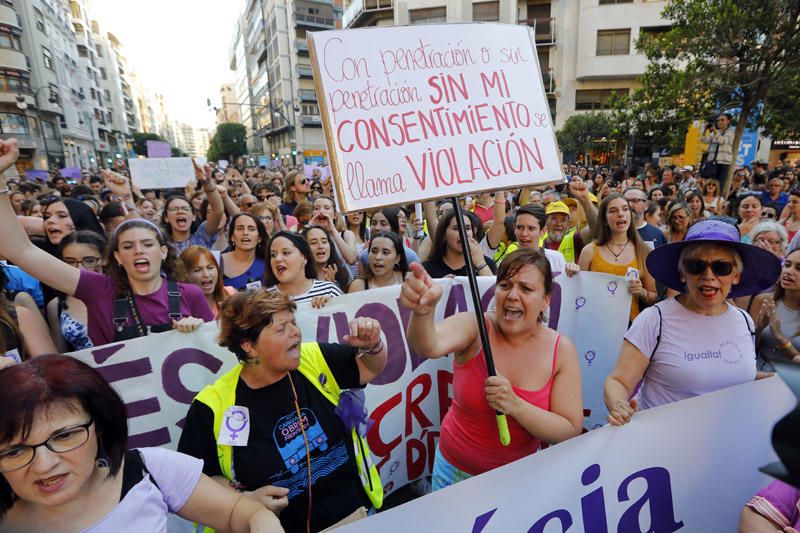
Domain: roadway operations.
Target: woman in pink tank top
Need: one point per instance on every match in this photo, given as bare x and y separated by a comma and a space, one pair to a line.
538, 383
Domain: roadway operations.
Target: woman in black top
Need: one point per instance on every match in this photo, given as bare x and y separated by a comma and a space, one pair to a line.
447, 253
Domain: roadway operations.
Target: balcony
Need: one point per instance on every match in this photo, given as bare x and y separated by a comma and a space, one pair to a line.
544, 29
313, 21
305, 71
307, 95
314, 121
302, 48
359, 12
13, 59
8, 16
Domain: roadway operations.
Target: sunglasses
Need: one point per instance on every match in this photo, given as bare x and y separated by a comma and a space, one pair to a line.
248, 205
695, 267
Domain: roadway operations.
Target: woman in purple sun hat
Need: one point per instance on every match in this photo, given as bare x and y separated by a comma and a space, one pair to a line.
696, 342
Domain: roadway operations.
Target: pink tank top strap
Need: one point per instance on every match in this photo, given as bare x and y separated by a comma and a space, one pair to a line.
555, 355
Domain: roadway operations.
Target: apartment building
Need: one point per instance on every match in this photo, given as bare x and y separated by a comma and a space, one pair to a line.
586, 48
270, 51
228, 110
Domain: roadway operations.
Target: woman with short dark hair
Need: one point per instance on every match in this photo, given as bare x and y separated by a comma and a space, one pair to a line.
64, 462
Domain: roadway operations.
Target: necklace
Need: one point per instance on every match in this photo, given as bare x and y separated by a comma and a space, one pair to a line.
308, 449
616, 256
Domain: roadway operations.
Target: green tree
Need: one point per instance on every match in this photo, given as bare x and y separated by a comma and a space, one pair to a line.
739, 56
579, 133
229, 142
140, 141
177, 152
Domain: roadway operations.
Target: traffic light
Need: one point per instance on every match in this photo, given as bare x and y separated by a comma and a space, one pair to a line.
294, 150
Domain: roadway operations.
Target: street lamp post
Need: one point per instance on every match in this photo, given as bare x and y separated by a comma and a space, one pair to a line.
22, 105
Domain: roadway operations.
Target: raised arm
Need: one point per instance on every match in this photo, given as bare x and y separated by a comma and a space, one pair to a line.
15, 245
215, 206
454, 334
580, 192
495, 233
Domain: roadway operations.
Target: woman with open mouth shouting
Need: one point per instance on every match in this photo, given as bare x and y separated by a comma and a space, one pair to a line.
178, 215
290, 271
618, 249
302, 453
140, 294
203, 270
696, 342
538, 381
243, 265
328, 264
387, 263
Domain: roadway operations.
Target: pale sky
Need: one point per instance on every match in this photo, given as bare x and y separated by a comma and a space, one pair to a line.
178, 47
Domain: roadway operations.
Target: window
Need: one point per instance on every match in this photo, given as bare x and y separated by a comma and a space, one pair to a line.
107, 94
12, 82
47, 57
9, 40
309, 109
83, 51
593, 99
103, 73
486, 11
651, 32
431, 15
613, 42
13, 124
99, 50
49, 130
612, 2
37, 15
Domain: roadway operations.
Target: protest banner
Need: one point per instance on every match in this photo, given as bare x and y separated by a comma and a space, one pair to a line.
316, 172
159, 375
687, 466
222, 163
161, 172
71, 172
158, 149
421, 112
263, 161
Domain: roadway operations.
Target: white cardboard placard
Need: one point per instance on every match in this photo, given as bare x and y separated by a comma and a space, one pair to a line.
161, 172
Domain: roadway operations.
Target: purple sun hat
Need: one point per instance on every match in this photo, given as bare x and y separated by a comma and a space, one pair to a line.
761, 268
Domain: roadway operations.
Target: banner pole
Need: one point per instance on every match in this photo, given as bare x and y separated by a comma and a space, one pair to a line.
502, 422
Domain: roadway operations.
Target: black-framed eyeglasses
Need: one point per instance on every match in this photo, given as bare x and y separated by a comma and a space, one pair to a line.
62, 441
695, 267
264, 198
90, 261
248, 205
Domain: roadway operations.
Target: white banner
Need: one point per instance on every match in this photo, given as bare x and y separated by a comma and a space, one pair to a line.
687, 466
161, 172
421, 112
159, 375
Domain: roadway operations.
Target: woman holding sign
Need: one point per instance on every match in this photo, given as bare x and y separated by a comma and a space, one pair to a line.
538, 382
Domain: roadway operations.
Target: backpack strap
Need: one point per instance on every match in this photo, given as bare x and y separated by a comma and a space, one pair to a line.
174, 295
120, 312
747, 323
660, 328
133, 471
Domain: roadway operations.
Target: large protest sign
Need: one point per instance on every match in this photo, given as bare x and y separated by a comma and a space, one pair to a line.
687, 466
161, 172
422, 112
158, 375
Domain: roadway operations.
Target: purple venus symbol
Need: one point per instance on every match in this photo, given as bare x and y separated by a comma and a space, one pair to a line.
589, 356
580, 301
612, 287
240, 417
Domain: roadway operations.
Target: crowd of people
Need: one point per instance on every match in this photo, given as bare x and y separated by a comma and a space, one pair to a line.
98, 261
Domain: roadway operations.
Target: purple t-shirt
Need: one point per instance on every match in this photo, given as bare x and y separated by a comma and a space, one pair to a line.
778, 502
97, 291
146, 507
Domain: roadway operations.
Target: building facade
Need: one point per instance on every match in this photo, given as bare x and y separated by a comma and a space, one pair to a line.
586, 48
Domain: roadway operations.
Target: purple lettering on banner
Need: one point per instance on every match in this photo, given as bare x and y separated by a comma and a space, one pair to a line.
149, 439
101, 355
555, 305
323, 328
593, 505
486, 299
456, 301
482, 520
395, 341
405, 315
127, 370
658, 495
562, 515
171, 371
342, 325
142, 407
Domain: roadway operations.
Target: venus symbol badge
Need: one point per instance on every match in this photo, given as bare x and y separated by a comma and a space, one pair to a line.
235, 429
